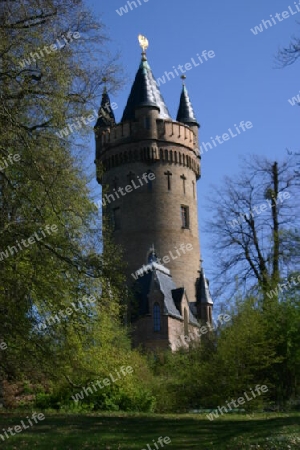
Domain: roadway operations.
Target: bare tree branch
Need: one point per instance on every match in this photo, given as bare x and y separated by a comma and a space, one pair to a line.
253, 224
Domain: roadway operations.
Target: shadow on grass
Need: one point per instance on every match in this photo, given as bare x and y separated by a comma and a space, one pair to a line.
131, 432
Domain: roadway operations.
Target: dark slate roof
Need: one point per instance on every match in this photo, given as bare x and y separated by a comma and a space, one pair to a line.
177, 295
172, 295
203, 294
166, 285
193, 308
145, 92
185, 112
106, 117
193, 319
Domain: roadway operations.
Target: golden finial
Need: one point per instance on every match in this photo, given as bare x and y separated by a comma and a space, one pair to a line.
143, 42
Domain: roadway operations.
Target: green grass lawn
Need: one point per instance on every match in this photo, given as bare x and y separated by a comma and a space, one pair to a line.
120, 431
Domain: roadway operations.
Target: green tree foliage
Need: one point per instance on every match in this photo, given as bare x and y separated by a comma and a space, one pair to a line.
226, 363
48, 272
257, 347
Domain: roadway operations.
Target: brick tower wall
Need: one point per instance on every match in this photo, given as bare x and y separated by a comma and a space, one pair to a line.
151, 213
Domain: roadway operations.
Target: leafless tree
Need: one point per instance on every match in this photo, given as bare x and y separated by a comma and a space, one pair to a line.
288, 55
254, 231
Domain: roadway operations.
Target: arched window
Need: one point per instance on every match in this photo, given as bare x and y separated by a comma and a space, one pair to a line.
115, 183
185, 322
149, 184
156, 317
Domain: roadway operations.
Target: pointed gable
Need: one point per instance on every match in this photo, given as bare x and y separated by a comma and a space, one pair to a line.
172, 297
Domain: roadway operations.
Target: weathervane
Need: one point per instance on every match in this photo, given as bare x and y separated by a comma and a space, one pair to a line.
143, 42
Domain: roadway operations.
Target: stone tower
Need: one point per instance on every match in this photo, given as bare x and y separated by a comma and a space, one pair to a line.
148, 165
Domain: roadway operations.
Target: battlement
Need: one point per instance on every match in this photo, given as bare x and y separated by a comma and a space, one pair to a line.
168, 131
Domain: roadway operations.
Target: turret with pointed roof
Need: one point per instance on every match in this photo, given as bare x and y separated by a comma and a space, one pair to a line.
145, 93
185, 112
105, 121
106, 117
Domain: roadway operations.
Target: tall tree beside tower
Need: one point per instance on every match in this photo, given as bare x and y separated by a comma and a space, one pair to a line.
46, 86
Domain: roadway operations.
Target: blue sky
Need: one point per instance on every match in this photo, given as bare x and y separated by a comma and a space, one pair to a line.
241, 83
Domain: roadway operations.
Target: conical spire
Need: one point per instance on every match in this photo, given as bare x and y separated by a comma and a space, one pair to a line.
145, 92
202, 290
106, 117
185, 112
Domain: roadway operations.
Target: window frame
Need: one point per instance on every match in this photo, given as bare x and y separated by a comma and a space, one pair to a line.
116, 223
185, 218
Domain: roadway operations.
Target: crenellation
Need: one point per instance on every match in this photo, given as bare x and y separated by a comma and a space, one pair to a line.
144, 151
119, 134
